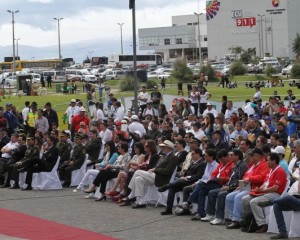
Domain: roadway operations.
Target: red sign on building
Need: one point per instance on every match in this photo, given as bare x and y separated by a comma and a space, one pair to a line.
246, 22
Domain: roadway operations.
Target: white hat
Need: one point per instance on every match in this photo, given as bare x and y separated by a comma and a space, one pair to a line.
134, 117
82, 109
279, 150
167, 143
73, 101
138, 133
208, 104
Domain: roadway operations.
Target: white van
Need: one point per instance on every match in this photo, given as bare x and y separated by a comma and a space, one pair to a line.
80, 75
56, 75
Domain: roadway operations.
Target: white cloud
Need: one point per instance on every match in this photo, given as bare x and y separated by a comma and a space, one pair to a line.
40, 1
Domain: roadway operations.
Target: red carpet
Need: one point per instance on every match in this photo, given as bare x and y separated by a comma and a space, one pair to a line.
20, 225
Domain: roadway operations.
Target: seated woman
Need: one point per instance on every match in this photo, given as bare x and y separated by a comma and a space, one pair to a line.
136, 160
111, 171
110, 157
151, 159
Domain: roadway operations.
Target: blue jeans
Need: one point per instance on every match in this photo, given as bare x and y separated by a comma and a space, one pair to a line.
284, 203
234, 204
199, 195
216, 203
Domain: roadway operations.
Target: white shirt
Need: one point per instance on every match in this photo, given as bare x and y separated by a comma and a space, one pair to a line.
10, 146
25, 112
143, 95
204, 97
72, 111
257, 95
100, 115
119, 114
248, 109
151, 111
136, 126
194, 97
229, 112
213, 111
105, 135
199, 134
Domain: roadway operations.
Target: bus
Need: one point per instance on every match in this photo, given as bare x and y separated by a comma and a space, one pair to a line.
96, 61
125, 60
38, 64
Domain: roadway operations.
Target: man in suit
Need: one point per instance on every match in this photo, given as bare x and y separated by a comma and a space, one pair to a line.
45, 164
158, 176
218, 142
193, 173
93, 148
76, 161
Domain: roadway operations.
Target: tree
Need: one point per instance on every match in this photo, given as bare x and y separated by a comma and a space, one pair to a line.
87, 60
236, 50
181, 71
296, 46
248, 55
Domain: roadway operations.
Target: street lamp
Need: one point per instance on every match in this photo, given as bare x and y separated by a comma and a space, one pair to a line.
17, 41
261, 36
199, 36
90, 54
13, 38
121, 29
58, 29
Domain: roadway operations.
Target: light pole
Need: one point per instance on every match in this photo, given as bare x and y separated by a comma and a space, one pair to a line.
121, 29
13, 38
90, 53
199, 36
261, 34
17, 41
58, 29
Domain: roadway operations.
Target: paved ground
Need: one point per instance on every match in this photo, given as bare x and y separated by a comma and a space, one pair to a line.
73, 209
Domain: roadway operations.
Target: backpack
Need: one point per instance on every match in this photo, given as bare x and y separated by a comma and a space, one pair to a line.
248, 224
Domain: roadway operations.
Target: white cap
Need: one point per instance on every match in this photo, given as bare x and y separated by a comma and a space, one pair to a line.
208, 104
138, 133
73, 101
279, 150
82, 109
135, 117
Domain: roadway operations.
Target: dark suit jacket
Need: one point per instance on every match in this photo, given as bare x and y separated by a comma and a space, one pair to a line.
222, 145
93, 149
195, 171
50, 157
164, 170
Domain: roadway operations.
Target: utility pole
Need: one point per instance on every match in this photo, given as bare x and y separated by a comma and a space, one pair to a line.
58, 29
13, 38
17, 41
199, 36
266, 34
121, 29
261, 34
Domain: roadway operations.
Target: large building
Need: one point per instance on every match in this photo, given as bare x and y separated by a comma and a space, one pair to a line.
177, 41
270, 26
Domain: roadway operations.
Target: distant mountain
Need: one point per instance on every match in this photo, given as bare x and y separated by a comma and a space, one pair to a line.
79, 50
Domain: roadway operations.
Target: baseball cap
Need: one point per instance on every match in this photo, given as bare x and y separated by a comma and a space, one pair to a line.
138, 133
82, 109
208, 104
118, 123
167, 143
73, 101
297, 106
179, 121
8, 104
134, 117
268, 118
279, 150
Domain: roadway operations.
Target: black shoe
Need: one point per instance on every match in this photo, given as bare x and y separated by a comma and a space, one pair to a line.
101, 199
27, 188
163, 188
20, 170
15, 186
280, 236
234, 225
5, 185
66, 185
166, 212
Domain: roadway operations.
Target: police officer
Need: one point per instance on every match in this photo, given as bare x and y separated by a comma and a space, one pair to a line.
64, 148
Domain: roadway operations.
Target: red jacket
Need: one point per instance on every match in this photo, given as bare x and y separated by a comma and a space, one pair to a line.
257, 174
223, 171
77, 119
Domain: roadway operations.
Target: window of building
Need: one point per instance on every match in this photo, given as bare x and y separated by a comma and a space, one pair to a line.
167, 41
189, 23
205, 39
195, 23
178, 40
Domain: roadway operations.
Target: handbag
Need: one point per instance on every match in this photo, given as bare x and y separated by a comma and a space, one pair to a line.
248, 224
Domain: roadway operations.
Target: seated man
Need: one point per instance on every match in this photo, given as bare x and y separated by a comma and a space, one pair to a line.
193, 173
158, 176
17, 154
7, 151
218, 178
31, 152
259, 197
216, 197
289, 202
76, 161
45, 164
254, 176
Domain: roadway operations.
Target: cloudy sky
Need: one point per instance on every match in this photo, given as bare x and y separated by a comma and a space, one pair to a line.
85, 20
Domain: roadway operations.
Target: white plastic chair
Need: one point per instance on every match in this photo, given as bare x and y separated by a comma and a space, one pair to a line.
159, 197
78, 174
47, 180
22, 178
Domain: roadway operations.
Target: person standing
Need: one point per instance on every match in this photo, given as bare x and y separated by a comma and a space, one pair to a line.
43, 81
51, 115
163, 84
49, 81
71, 111
156, 97
143, 98
41, 123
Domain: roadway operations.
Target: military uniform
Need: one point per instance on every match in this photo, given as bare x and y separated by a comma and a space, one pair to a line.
64, 151
77, 159
32, 152
93, 148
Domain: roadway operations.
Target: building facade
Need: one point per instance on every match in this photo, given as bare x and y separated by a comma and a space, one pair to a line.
270, 26
177, 41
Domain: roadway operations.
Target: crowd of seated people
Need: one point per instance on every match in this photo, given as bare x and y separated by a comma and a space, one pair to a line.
240, 159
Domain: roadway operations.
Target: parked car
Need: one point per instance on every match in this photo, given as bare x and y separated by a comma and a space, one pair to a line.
152, 75
164, 75
287, 70
86, 77
36, 78
111, 75
11, 81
